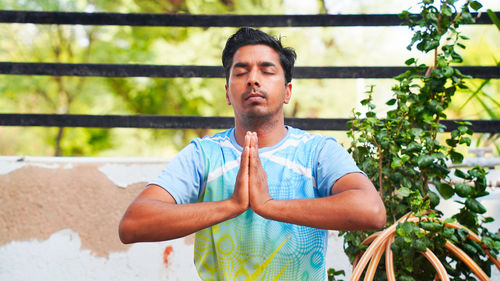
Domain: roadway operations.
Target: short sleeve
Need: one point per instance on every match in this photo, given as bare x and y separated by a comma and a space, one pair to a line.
183, 176
332, 162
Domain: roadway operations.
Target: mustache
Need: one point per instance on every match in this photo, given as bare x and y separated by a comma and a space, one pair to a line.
253, 90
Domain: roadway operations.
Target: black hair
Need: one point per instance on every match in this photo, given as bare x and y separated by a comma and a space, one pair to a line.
249, 36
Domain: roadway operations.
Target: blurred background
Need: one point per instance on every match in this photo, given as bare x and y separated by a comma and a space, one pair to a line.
315, 46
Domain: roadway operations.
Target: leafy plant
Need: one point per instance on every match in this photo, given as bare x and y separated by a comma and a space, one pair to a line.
332, 273
404, 155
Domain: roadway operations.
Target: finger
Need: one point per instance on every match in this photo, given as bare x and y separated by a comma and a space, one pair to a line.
255, 150
248, 138
245, 155
254, 160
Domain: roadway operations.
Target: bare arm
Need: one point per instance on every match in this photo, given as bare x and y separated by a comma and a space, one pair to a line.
353, 205
155, 216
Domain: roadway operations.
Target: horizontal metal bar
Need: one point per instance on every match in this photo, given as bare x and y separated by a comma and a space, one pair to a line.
169, 71
194, 122
208, 20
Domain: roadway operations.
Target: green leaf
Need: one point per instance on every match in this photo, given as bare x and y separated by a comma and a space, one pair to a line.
406, 278
434, 199
461, 174
448, 232
430, 45
424, 161
462, 233
371, 114
456, 158
493, 18
365, 101
405, 158
475, 5
416, 132
404, 191
396, 162
463, 190
475, 206
420, 245
446, 10
445, 190
465, 140
462, 129
413, 146
488, 219
391, 102
410, 61
469, 248
431, 226
488, 242
448, 71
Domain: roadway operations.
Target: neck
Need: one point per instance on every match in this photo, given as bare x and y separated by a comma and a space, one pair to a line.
269, 132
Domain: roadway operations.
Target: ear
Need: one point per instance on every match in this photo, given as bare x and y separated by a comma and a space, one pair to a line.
288, 93
227, 95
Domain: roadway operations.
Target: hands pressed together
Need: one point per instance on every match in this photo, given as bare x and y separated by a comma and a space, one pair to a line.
251, 190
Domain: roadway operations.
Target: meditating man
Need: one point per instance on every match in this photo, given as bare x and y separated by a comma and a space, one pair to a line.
262, 195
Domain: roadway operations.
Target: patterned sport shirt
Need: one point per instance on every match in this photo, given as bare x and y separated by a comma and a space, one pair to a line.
249, 247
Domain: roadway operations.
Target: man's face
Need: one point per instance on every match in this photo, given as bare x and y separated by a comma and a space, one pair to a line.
256, 85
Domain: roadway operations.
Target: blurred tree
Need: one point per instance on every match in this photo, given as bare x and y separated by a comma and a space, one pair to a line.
111, 44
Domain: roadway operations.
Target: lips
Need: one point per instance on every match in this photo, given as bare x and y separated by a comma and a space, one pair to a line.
254, 95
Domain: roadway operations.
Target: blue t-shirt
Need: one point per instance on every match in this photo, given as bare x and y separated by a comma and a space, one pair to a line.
249, 247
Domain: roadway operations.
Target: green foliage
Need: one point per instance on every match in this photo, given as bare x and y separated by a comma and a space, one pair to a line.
403, 156
123, 96
332, 273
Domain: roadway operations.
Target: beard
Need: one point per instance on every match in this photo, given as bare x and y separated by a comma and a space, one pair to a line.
258, 115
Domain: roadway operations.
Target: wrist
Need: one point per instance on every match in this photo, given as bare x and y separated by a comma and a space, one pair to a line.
235, 207
264, 209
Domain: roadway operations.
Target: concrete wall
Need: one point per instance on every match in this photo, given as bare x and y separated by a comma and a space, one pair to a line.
59, 221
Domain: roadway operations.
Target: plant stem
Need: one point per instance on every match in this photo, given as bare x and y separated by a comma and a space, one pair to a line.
381, 156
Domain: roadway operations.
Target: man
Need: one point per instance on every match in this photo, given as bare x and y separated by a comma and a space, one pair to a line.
262, 195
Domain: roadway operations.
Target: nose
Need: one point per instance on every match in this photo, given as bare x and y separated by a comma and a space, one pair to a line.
253, 79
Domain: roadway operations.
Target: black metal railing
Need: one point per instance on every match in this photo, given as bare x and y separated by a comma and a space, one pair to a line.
164, 71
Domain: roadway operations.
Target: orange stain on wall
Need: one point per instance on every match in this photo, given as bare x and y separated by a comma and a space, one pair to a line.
166, 253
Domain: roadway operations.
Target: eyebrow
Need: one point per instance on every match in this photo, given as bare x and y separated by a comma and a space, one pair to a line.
261, 64
240, 64
266, 63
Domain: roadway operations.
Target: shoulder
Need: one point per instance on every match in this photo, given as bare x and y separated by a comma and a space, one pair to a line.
304, 136
215, 140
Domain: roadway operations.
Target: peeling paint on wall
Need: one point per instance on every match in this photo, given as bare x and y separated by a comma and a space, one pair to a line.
125, 175
36, 202
9, 166
61, 257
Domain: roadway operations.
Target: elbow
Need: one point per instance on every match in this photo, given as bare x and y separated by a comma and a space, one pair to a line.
379, 217
125, 232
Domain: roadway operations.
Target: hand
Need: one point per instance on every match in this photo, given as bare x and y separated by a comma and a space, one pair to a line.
257, 178
240, 193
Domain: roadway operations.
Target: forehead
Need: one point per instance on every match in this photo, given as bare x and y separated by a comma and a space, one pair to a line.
256, 54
